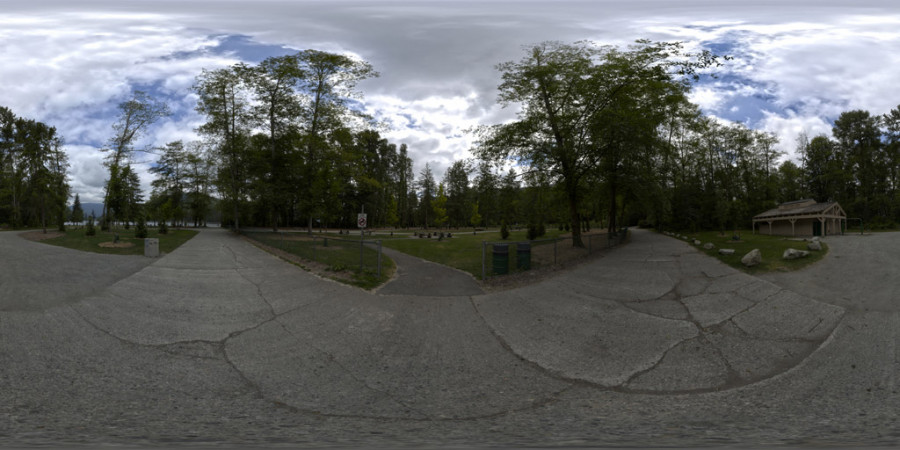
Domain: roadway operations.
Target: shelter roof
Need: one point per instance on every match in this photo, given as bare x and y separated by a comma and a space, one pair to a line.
797, 208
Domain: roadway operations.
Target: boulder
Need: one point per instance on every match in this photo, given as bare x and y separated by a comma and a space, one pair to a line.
814, 246
726, 251
752, 259
816, 239
709, 246
794, 254
696, 242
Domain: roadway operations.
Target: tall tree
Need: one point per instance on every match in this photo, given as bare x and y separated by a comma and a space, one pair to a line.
328, 87
456, 181
77, 211
569, 95
136, 115
224, 102
427, 190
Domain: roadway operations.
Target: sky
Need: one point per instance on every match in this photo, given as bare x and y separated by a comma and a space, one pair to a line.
797, 63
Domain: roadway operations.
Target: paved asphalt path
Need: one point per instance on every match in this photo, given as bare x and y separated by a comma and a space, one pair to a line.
652, 344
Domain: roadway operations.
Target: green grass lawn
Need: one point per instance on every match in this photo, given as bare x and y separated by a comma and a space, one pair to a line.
341, 254
76, 239
462, 251
771, 247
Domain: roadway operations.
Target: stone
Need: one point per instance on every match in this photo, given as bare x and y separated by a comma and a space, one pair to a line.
726, 251
794, 254
816, 239
709, 246
752, 259
696, 242
151, 247
814, 246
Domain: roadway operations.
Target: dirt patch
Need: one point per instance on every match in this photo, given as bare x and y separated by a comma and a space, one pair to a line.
116, 244
40, 235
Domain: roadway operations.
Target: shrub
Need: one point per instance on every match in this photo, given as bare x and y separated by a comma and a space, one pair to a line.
140, 228
541, 229
532, 233
504, 231
567, 226
89, 229
163, 228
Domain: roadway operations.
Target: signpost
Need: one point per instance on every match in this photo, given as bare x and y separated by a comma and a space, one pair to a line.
361, 223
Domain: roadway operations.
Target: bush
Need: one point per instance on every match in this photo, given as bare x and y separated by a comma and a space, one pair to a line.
504, 231
532, 233
89, 229
567, 226
140, 229
541, 229
163, 228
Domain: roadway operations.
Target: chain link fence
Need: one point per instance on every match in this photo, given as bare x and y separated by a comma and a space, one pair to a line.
508, 257
339, 254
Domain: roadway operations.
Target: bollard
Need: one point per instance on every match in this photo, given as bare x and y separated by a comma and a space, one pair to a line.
151, 247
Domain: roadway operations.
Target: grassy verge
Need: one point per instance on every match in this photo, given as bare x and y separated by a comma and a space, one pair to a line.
76, 239
770, 247
334, 257
462, 251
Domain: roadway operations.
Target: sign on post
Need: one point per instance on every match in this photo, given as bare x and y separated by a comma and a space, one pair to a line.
361, 220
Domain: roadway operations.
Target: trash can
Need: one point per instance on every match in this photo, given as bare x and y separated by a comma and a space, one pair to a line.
151, 247
523, 256
501, 259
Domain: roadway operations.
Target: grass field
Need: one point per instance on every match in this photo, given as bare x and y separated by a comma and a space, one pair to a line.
76, 239
462, 251
770, 247
341, 255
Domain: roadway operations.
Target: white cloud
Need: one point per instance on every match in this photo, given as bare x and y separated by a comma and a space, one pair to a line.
69, 64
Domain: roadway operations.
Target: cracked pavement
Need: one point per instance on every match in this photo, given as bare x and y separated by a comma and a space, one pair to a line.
652, 344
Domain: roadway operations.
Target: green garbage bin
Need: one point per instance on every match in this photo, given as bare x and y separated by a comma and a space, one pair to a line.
501, 259
523, 256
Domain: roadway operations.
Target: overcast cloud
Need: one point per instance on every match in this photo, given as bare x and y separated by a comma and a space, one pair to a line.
798, 64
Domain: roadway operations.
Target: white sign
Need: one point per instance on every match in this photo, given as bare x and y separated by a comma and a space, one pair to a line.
361, 220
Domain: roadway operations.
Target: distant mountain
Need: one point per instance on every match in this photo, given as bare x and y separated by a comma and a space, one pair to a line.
97, 208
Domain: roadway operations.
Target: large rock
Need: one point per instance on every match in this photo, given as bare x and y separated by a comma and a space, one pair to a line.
696, 242
814, 246
709, 246
752, 259
726, 251
794, 254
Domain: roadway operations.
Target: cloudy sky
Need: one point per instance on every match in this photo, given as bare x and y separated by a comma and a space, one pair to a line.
798, 63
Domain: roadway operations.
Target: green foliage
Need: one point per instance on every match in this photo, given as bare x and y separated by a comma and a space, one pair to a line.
89, 230
33, 165
140, 229
77, 240
532, 232
439, 206
590, 113
504, 231
163, 228
771, 247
